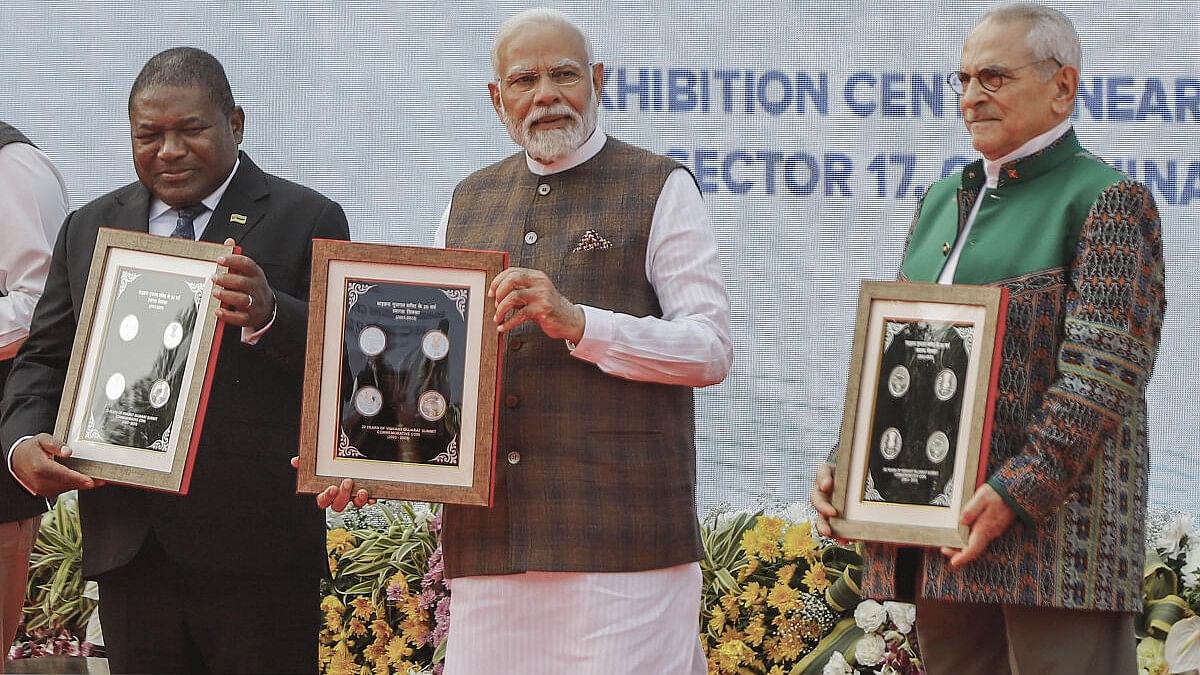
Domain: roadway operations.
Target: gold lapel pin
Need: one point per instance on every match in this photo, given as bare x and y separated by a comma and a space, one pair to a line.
945, 248
237, 218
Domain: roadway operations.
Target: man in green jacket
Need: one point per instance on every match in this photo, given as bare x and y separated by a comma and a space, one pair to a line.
1049, 581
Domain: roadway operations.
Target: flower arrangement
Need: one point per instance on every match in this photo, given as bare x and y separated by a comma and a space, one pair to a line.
780, 601
57, 608
1169, 630
386, 604
888, 645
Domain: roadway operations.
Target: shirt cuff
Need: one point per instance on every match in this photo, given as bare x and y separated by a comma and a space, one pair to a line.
252, 337
8, 459
599, 327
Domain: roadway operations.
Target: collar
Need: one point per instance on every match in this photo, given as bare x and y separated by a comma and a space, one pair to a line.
159, 207
590, 148
1037, 156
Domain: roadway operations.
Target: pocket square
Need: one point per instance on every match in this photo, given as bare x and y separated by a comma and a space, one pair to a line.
591, 241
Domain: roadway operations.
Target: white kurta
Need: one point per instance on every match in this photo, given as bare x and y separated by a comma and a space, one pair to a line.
606, 623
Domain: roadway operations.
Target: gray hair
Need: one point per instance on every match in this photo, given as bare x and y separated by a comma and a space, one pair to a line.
1051, 34
537, 15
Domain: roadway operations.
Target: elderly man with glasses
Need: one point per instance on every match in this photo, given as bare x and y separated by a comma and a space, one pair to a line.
1050, 579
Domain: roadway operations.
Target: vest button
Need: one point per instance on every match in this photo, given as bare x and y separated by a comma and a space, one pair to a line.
514, 457
544, 189
511, 401
531, 237
515, 344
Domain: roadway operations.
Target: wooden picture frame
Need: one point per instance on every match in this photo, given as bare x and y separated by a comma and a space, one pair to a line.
401, 372
141, 366
918, 414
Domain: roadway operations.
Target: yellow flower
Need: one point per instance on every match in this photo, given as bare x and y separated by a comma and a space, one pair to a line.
413, 629
799, 543
363, 608
752, 594
333, 622
331, 603
342, 662
776, 670
717, 621
383, 668
762, 540
750, 568
786, 573
339, 540
398, 650
783, 597
357, 628
376, 652
816, 579
381, 629
757, 630
324, 653
732, 654
790, 641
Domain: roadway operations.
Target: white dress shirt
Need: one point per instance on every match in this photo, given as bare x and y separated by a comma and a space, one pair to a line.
992, 170
690, 345
33, 203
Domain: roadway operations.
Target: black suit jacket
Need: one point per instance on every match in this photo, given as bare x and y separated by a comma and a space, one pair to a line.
241, 513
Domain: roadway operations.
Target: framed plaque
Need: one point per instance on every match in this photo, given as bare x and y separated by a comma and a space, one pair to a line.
145, 347
401, 373
918, 414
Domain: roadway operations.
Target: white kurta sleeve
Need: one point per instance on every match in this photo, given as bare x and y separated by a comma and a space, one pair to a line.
690, 345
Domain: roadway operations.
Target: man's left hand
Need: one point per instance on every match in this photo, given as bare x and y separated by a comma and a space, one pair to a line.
246, 298
988, 516
528, 295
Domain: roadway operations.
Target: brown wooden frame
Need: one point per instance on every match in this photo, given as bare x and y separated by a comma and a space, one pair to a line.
124, 464
334, 262
982, 306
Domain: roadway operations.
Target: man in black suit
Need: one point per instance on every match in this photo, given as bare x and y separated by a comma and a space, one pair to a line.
226, 578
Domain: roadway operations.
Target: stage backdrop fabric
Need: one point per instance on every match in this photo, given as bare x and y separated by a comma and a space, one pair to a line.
813, 129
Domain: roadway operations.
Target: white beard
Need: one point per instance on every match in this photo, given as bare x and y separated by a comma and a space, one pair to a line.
550, 145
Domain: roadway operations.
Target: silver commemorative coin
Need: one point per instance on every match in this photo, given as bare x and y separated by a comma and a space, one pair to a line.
368, 401
898, 381
937, 447
172, 335
431, 405
435, 345
115, 386
890, 443
160, 391
372, 340
945, 384
129, 327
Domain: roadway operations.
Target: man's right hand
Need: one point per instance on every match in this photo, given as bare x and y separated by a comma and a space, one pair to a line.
35, 463
822, 493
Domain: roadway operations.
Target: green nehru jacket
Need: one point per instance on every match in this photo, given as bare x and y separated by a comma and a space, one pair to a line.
1025, 225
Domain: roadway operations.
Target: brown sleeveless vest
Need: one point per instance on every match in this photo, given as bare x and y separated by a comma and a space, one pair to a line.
594, 472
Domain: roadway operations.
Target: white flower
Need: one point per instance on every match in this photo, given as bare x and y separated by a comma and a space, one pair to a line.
797, 512
1170, 540
870, 615
902, 614
1182, 648
870, 649
1191, 566
836, 665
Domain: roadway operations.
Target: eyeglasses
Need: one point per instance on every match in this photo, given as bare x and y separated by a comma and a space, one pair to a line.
991, 79
526, 81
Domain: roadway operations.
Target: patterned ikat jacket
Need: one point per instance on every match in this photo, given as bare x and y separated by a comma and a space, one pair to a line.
1078, 246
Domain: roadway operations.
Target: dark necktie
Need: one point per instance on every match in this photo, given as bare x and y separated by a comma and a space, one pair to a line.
183, 225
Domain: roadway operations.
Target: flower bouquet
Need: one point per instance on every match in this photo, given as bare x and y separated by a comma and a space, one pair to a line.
1169, 629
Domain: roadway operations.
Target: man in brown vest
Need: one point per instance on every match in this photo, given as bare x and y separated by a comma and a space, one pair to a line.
33, 202
586, 563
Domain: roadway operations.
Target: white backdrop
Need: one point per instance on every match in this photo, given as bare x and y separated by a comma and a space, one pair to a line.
813, 127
